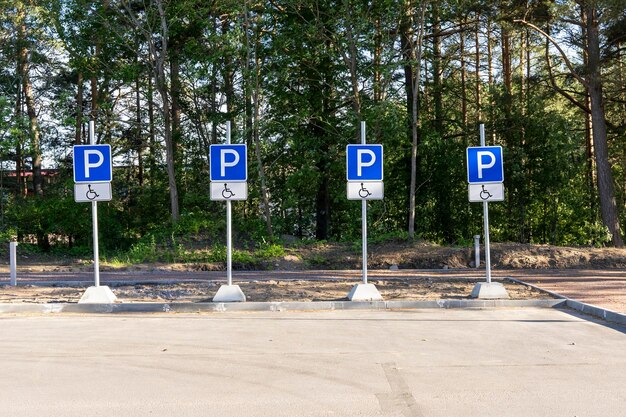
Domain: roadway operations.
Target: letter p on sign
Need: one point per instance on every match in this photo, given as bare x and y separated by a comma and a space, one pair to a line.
224, 162
361, 160
481, 159
89, 165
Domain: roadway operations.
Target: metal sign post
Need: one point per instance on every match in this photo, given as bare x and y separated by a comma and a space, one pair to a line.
364, 219
94, 173
485, 174
13, 263
94, 218
486, 218
476, 251
229, 173
364, 163
229, 228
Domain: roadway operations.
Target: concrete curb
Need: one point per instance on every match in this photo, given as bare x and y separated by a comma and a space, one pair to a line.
590, 309
269, 306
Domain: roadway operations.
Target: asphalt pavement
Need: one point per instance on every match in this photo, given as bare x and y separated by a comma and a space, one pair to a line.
492, 362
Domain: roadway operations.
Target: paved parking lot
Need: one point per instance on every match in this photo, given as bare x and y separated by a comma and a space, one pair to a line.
500, 362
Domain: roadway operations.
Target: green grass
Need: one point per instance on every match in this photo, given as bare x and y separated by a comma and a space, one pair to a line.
149, 251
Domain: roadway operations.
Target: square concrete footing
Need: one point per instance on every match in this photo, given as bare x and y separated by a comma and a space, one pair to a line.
489, 291
98, 295
229, 294
364, 292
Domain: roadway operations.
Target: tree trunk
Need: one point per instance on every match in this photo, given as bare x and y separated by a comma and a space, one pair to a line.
19, 161
606, 190
256, 119
160, 62
322, 200
437, 88
378, 51
175, 102
506, 70
138, 132
589, 154
416, 125
490, 79
463, 77
411, 53
257, 150
214, 110
151, 132
79, 109
322, 82
229, 75
522, 71
95, 99
489, 52
622, 81
478, 80
27, 88
169, 151
350, 60
175, 94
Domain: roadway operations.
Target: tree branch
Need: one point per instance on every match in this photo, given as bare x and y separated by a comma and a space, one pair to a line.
559, 89
556, 44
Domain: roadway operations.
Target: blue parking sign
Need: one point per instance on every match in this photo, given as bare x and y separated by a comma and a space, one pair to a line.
229, 163
364, 162
484, 165
92, 163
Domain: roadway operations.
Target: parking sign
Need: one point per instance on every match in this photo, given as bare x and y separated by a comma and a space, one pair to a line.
229, 163
92, 163
364, 162
484, 165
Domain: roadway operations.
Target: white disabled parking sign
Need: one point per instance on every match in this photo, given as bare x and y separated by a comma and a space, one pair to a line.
364, 172
229, 163
484, 165
229, 172
364, 162
92, 164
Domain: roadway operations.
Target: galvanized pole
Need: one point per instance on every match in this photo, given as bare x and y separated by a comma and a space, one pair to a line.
13, 262
486, 218
477, 251
229, 231
364, 218
94, 218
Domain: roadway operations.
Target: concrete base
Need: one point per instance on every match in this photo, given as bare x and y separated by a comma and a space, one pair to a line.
489, 291
364, 292
229, 294
98, 295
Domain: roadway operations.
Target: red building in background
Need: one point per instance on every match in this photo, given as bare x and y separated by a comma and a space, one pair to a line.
24, 183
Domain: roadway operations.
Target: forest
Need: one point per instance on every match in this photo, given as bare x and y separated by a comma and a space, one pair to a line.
160, 79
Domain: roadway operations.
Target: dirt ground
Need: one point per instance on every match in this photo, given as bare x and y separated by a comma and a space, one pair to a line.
314, 272
267, 290
339, 256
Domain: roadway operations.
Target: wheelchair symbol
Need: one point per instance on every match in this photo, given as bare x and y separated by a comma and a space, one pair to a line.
91, 194
364, 192
227, 192
484, 194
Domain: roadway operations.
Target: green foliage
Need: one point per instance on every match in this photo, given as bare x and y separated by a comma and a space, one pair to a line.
298, 64
269, 251
395, 236
143, 251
